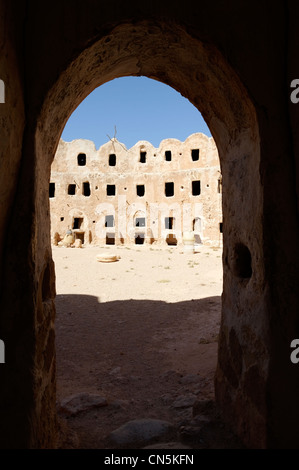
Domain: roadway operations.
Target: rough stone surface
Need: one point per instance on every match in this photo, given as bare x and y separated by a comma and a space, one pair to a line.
185, 401
119, 404
190, 379
80, 402
141, 430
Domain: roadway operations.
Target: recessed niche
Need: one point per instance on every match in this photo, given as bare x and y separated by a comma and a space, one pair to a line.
169, 189
81, 159
52, 190
197, 224
71, 190
171, 239
142, 157
219, 185
77, 223
112, 159
139, 238
110, 189
80, 236
195, 155
169, 223
168, 156
195, 188
140, 190
86, 189
110, 238
242, 267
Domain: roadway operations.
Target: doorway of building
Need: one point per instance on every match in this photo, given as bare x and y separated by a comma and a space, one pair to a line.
146, 326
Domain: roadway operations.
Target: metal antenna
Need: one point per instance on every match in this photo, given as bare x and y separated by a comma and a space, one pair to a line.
114, 139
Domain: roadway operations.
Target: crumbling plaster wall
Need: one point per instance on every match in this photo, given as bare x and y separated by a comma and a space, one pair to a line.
125, 175
234, 62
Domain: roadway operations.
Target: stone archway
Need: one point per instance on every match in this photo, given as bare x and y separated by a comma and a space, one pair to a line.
167, 53
201, 74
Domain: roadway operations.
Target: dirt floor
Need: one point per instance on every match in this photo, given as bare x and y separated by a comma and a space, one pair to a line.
138, 338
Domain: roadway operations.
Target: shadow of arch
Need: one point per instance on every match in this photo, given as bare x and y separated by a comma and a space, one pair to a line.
134, 351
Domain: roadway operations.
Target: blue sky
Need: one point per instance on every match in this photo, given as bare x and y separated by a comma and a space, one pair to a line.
140, 108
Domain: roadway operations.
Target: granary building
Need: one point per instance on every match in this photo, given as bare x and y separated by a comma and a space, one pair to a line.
144, 194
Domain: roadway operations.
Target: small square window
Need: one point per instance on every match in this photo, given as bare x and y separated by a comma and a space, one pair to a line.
142, 157
140, 190
110, 189
52, 190
86, 189
71, 190
195, 188
168, 156
77, 223
169, 189
195, 155
81, 159
112, 159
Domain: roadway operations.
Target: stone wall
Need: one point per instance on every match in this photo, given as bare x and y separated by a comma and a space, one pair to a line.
140, 195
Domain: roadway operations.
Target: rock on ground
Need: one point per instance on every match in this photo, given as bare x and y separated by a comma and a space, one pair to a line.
141, 431
75, 404
184, 401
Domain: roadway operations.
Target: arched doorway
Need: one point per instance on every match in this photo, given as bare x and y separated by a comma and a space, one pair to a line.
200, 73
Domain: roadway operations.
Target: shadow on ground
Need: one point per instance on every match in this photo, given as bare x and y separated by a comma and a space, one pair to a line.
148, 359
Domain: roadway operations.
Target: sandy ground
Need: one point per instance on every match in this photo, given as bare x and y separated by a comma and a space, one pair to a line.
140, 332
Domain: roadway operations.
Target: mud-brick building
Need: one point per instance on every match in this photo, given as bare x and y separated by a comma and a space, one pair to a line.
144, 194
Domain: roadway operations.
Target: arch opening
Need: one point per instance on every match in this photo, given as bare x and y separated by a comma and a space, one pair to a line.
217, 92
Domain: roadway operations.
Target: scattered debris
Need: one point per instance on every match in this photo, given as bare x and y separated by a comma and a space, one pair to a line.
107, 258
141, 430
